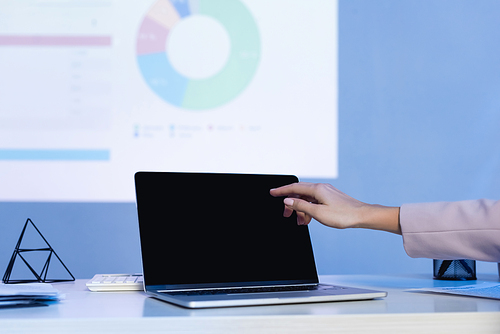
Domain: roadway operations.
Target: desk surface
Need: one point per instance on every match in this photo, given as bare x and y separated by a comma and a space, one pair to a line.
126, 312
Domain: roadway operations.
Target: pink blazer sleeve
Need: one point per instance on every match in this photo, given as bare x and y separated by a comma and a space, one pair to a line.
452, 230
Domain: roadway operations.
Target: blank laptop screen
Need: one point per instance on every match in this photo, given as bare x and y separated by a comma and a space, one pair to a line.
205, 229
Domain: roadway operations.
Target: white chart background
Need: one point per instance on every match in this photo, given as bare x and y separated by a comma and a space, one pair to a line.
95, 98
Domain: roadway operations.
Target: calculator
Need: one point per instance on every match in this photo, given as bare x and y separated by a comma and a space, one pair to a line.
116, 282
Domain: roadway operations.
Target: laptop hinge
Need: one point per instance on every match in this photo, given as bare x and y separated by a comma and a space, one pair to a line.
241, 287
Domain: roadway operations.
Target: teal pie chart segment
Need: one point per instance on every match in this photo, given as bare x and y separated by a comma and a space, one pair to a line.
206, 93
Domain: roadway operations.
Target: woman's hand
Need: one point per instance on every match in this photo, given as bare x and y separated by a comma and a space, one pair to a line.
333, 208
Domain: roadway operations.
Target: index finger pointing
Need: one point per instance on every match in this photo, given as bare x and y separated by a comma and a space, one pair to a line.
299, 189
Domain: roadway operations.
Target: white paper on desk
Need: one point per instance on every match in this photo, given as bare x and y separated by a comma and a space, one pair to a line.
29, 291
485, 290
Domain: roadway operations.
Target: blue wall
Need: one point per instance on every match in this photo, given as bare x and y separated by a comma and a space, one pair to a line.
419, 117
419, 121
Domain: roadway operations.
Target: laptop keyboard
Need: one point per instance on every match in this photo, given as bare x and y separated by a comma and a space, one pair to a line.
252, 290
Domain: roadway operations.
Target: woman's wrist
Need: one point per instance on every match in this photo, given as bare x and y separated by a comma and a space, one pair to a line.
378, 217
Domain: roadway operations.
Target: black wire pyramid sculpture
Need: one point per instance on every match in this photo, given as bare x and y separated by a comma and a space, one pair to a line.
22, 252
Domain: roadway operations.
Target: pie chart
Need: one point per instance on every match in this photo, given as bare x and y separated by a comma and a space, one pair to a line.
198, 54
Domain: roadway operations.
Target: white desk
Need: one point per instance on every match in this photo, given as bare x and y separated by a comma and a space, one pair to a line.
132, 312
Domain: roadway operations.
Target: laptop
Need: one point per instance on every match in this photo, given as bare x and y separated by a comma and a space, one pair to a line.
220, 240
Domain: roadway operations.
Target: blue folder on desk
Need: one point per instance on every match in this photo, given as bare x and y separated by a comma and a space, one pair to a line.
215, 240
